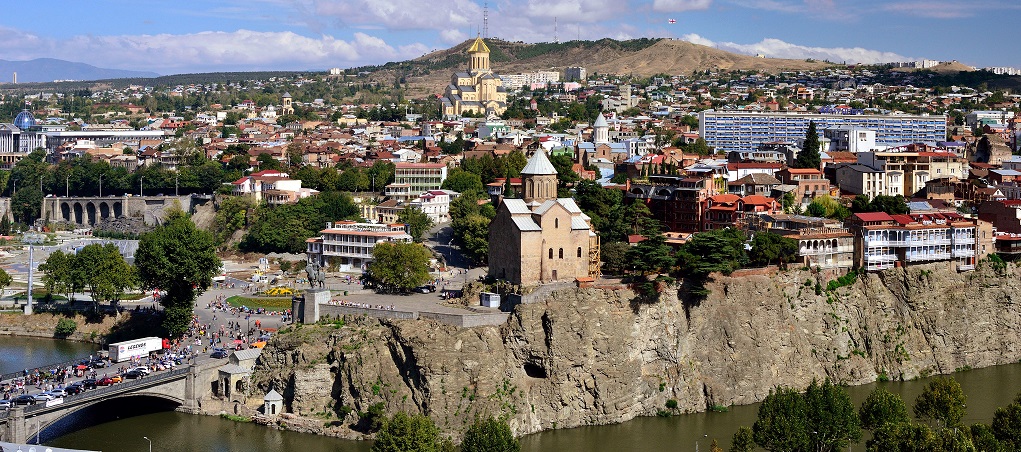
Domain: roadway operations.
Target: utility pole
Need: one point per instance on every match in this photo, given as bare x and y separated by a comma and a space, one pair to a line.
140, 179
67, 187
485, 20
101, 185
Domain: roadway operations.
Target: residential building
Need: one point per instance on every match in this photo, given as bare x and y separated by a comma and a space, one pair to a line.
727, 210
271, 186
517, 81
822, 243
677, 202
851, 139
421, 177
477, 90
884, 241
348, 246
541, 238
575, 74
741, 131
810, 182
435, 204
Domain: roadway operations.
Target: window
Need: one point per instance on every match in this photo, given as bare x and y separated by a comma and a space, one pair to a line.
561, 253
556, 222
551, 253
579, 251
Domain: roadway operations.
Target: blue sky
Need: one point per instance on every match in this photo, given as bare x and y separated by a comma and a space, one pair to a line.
170, 37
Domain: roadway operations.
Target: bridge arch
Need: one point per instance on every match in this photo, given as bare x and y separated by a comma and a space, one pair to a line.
118, 209
78, 212
90, 209
104, 210
65, 211
104, 410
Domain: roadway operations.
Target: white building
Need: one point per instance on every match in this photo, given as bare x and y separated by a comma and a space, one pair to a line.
272, 186
435, 204
516, 81
348, 245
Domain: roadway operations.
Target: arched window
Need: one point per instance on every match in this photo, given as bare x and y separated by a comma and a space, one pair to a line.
561, 253
556, 222
551, 253
579, 251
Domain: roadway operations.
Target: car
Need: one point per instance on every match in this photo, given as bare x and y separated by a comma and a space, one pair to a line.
219, 353
89, 383
133, 374
23, 399
105, 381
144, 370
57, 393
116, 378
74, 389
5, 404
97, 363
43, 397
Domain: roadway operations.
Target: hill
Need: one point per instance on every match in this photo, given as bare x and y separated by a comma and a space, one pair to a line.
50, 69
640, 57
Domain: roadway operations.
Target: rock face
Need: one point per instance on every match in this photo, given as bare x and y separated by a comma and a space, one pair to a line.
593, 356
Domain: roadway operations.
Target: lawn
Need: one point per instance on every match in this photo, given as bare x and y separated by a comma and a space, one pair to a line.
269, 303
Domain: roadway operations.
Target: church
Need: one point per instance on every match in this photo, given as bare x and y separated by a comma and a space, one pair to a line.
541, 238
478, 90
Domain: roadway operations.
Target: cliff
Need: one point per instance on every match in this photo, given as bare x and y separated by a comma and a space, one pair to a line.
594, 356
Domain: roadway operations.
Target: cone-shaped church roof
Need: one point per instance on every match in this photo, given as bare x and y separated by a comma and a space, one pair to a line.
478, 46
539, 164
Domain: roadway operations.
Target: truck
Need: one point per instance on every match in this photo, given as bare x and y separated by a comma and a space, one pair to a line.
123, 351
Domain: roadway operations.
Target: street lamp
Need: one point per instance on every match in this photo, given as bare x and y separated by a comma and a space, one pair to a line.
15, 190
140, 179
101, 185
150, 442
176, 175
67, 187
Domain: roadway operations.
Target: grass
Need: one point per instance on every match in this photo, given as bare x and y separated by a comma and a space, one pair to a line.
269, 303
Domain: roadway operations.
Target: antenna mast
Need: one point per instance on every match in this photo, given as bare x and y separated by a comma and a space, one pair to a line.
485, 20
556, 39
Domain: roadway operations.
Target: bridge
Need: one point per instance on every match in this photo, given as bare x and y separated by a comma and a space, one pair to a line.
89, 211
182, 387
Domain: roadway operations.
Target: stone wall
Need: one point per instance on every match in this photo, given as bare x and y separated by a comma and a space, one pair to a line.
596, 356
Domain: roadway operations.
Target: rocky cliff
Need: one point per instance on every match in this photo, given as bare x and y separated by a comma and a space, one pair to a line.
595, 356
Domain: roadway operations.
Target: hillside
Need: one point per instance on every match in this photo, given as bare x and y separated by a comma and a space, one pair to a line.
639, 57
50, 69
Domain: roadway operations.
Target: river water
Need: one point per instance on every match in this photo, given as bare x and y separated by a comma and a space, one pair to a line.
171, 431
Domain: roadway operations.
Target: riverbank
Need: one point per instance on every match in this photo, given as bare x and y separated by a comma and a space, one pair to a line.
44, 325
597, 356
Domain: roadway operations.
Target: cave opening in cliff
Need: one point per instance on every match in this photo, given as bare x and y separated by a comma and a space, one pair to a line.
534, 370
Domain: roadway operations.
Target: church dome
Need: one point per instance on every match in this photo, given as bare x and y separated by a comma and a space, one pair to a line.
24, 120
539, 165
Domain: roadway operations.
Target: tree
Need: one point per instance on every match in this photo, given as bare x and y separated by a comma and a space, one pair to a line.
699, 147
743, 440
984, 439
5, 280
902, 437
614, 257
943, 401
719, 250
464, 182
179, 258
489, 435
404, 433
566, 176
1007, 423
651, 255
470, 222
267, 162
809, 156
418, 222
882, 407
781, 421
108, 275
772, 248
398, 266
832, 419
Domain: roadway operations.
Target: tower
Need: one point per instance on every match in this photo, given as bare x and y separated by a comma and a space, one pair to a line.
600, 130
539, 179
286, 108
478, 57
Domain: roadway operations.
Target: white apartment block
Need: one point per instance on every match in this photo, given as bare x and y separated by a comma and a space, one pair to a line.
883, 241
348, 245
435, 204
516, 81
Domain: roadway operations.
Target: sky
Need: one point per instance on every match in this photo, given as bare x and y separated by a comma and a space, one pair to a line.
185, 36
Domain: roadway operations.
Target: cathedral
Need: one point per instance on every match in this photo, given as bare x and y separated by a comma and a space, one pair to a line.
478, 90
541, 238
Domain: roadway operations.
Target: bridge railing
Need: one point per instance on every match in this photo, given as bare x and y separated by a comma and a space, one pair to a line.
115, 388
21, 374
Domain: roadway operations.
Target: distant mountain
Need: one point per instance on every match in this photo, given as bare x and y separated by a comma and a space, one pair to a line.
50, 69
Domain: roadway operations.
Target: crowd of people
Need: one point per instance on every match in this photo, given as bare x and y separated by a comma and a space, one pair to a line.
389, 307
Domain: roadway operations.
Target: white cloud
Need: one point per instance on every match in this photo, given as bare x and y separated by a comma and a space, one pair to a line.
215, 50
775, 48
399, 14
673, 6
568, 10
453, 36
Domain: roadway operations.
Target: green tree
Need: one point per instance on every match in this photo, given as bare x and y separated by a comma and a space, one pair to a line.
809, 156
832, 419
418, 222
651, 255
772, 248
404, 433
398, 266
566, 176
180, 259
719, 250
781, 422
489, 435
267, 162
470, 223
5, 226
5, 280
464, 182
614, 257
882, 407
942, 400
902, 437
108, 275
1007, 423
984, 439
699, 147
743, 440
231, 216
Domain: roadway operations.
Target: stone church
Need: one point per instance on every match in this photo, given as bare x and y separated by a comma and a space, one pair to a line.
541, 238
478, 90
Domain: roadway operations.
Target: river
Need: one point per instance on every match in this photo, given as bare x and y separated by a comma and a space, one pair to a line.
171, 431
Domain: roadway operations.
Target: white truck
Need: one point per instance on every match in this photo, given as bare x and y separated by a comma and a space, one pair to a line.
123, 351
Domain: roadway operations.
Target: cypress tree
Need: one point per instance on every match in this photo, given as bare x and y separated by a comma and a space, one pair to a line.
809, 155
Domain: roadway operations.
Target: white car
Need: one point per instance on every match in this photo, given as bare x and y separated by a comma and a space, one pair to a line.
43, 397
5, 404
142, 369
57, 393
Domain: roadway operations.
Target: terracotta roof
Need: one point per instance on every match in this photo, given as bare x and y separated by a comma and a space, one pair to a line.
873, 216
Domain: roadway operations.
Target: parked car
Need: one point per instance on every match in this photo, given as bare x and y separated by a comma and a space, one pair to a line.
116, 378
105, 381
57, 393
133, 374
219, 353
98, 363
24, 399
144, 370
43, 397
89, 383
74, 389
5, 404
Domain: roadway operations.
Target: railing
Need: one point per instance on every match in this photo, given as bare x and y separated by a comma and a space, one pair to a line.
964, 253
882, 258
964, 241
21, 374
918, 257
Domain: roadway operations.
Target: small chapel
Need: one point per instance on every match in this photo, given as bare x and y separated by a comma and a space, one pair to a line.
541, 238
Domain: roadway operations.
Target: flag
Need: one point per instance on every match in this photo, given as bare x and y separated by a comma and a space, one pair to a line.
672, 21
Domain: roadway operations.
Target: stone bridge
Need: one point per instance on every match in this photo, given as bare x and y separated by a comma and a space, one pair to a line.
89, 211
183, 387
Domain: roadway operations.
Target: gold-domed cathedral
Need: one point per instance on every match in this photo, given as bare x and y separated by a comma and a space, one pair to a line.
478, 90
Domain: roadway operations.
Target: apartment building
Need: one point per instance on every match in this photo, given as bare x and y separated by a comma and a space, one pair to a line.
901, 170
744, 131
421, 177
822, 243
885, 241
348, 245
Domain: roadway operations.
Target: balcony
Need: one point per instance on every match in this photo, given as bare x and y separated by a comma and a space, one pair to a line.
964, 240
881, 258
927, 257
964, 253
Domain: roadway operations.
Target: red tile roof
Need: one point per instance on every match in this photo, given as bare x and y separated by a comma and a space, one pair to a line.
873, 216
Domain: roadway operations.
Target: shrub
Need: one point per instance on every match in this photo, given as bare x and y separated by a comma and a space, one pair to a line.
65, 327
